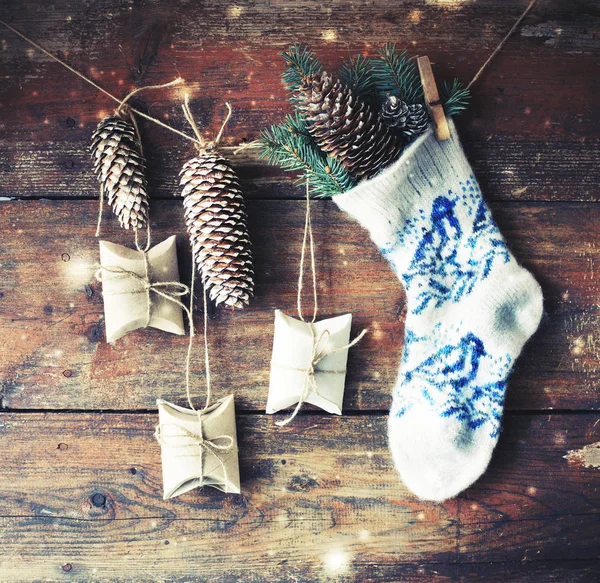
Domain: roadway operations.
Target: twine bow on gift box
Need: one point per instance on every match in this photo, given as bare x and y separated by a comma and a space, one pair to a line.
195, 440
169, 290
319, 343
319, 353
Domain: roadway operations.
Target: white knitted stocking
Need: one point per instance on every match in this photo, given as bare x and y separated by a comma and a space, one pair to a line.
471, 308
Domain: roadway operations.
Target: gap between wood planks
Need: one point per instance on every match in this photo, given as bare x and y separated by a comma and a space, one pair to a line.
174, 199
355, 413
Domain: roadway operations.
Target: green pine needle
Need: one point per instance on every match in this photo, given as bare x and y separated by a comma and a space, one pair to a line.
296, 125
455, 97
394, 73
301, 63
356, 75
289, 146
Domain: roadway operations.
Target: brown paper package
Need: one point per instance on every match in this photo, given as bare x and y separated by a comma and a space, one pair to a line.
126, 300
186, 463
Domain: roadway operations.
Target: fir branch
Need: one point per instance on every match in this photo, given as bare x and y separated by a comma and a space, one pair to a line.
455, 97
284, 146
301, 63
296, 125
394, 73
356, 76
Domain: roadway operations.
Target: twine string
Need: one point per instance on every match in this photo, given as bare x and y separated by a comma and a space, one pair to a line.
190, 345
94, 84
100, 209
502, 43
225, 122
202, 145
247, 146
254, 143
308, 235
123, 103
197, 437
207, 444
146, 246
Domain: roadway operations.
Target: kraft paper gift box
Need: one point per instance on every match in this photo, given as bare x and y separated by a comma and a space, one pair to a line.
125, 290
198, 448
295, 348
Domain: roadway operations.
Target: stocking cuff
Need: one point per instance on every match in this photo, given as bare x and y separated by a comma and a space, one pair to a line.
426, 169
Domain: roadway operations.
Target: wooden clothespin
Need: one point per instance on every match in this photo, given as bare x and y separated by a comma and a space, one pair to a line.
432, 100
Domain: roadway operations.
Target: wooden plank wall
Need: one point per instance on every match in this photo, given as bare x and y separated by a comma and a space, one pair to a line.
80, 487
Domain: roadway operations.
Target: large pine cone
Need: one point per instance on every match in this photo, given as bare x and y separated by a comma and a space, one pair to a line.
346, 128
215, 216
411, 120
119, 165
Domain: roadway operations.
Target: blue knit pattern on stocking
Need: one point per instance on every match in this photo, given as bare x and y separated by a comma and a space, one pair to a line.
448, 260
459, 379
451, 247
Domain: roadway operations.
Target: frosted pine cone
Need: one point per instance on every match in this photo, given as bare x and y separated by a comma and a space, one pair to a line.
216, 222
345, 127
119, 165
411, 120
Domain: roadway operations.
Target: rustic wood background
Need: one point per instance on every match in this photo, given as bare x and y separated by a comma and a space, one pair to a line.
80, 485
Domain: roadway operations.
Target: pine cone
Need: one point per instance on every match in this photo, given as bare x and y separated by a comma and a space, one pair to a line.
411, 120
119, 165
346, 128
215, 216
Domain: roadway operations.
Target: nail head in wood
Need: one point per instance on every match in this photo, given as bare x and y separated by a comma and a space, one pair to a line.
432, 99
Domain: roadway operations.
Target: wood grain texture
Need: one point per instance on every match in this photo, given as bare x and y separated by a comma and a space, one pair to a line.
544, 83
52, 342
320, 502
80, 494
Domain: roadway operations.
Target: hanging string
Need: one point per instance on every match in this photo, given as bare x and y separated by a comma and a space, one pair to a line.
206, 357
188, 359
93, 84
254, 143
197, 438
502, 43
308, 234
319, 343
100, 210
203, 146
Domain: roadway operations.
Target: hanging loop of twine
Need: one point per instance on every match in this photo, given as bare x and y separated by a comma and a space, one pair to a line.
201, 144
203, 147
308, 236
198, 440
